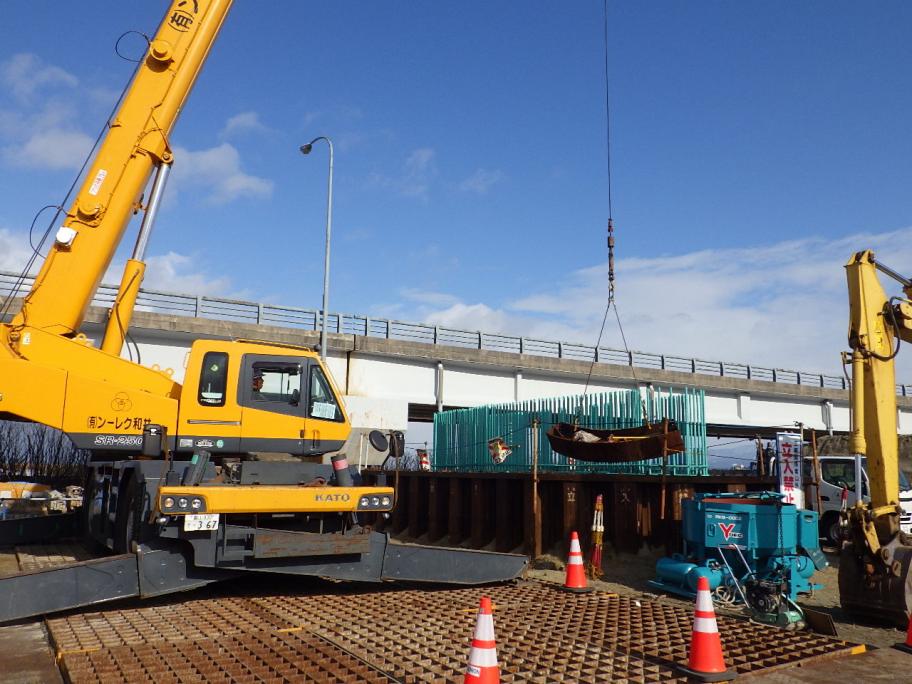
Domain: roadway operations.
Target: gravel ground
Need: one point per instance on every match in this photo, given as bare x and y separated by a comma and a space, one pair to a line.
628, 575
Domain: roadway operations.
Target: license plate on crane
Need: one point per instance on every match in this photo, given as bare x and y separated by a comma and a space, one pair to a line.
201, 522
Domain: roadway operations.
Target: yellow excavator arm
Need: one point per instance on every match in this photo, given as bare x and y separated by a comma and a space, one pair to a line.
873, 331
875, 558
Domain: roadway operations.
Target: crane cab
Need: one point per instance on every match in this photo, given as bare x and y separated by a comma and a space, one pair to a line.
247, 398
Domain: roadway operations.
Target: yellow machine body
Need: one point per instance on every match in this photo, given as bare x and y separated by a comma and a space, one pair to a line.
874, 566
52, 374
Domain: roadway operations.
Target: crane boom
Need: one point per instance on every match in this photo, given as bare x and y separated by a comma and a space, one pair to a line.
137, 141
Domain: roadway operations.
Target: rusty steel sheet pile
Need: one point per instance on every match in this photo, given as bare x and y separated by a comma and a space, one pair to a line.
351, 634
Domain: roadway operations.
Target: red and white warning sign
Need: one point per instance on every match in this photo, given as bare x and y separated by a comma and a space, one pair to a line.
789, 448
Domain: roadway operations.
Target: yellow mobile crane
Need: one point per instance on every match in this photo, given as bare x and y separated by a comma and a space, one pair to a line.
874, 576
173, 486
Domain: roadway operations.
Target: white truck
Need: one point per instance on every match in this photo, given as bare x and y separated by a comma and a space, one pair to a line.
837, 473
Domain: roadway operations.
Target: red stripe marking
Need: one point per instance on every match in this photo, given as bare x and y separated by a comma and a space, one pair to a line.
704, 614
339, 465
478, 643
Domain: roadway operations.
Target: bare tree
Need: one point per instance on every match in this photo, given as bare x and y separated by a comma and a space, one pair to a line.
37, 452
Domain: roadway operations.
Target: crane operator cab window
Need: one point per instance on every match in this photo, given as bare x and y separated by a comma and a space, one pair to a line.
322, 403
213, 379
276, 383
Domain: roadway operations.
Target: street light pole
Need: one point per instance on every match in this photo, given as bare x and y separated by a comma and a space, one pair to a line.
305, 149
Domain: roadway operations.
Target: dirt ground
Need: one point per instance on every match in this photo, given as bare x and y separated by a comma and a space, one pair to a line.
628, 575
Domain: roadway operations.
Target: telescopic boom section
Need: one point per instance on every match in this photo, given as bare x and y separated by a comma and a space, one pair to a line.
137, 141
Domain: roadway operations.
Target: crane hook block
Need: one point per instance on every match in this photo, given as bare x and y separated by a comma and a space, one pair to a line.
160, 51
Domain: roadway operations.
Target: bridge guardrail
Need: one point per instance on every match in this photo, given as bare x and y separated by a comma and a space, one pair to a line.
219, 308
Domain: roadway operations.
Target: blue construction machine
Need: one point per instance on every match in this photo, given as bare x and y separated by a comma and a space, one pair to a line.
756, 551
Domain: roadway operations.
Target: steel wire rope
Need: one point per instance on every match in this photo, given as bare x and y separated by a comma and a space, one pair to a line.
736, 441
612, 299
36, 251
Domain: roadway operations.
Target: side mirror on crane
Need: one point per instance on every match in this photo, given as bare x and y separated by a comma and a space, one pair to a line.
378, 440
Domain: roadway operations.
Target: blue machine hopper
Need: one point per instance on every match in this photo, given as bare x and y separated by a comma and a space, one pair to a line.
752, 547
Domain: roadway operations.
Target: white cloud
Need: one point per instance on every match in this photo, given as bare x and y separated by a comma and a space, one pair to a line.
216, 173
783, 305
414, 180
245, 122
174, 272
430, 298
40, 132
51, 149
481, 181
171, 272
25, 73
15, 251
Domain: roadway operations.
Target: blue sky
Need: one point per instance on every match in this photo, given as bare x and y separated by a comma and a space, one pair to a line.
755, 146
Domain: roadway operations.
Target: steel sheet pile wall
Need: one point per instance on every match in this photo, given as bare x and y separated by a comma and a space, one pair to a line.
461, 436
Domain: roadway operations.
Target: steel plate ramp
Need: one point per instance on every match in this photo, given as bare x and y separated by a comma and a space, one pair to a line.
146, 573
415, 563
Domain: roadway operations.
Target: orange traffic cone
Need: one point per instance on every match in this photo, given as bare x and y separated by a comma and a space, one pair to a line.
706, 662
907, 647
576, 574
483, 667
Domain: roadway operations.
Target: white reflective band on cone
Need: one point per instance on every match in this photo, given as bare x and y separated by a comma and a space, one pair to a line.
704, 601
705, 625
484, 628
483, 657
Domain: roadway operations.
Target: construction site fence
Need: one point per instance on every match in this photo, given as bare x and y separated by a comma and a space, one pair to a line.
461, 436
174, 304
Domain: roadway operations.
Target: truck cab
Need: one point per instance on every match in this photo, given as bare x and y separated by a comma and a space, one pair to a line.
838, 473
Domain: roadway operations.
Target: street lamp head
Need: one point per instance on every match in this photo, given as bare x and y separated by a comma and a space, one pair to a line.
305, 149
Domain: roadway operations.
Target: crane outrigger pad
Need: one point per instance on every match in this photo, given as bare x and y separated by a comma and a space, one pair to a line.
616, 446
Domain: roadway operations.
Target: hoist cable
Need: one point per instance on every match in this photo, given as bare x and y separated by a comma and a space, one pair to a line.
612, 301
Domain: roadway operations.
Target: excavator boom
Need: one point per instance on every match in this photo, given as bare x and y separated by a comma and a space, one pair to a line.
874, 567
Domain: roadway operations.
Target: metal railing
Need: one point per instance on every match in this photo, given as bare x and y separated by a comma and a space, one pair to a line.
172, 303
